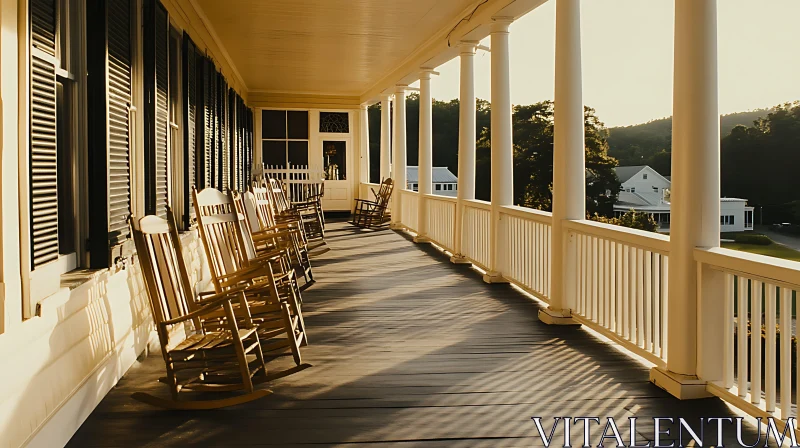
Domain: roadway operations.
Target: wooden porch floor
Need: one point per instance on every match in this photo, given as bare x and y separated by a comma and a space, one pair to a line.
409, 349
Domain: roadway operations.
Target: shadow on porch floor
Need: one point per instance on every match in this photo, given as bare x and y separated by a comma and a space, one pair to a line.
411, 350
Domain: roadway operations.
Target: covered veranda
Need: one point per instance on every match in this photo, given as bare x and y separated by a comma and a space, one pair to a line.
409, 349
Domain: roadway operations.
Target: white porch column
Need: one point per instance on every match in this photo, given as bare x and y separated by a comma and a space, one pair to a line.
502, 151
364, 174
569, 179
425, 152
466, 142
399, 153
695, 206
386, 137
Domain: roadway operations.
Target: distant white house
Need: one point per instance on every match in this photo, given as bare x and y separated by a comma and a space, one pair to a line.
444, 182
644, 190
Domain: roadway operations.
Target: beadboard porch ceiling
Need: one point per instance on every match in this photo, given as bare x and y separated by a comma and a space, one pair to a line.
331, 47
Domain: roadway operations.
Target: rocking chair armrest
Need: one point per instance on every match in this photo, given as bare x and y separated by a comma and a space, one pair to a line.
366, 201
267, 235
205, 297
207, 308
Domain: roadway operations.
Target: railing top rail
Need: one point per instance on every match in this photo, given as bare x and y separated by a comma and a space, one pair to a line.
759, 267
640, 238
527, 213
477, 203
438, 197
410, 192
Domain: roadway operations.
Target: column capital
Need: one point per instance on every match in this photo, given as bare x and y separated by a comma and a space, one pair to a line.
364, 106
500, 24
386, 96
427, 72
468, 47
400, 88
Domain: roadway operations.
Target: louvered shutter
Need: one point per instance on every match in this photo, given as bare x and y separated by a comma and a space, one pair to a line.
213, 126
157, 110
190, 154
232, 162
109, 63
43, 156
224, 164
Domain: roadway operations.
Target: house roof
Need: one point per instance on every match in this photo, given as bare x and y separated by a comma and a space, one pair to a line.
441, 175
626, 172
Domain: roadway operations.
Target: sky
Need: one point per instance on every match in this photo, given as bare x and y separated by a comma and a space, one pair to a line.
627, 58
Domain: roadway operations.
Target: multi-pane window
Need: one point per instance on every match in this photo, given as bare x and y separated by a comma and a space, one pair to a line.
284, 138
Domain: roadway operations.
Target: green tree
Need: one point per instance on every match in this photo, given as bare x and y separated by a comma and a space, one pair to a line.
533, 160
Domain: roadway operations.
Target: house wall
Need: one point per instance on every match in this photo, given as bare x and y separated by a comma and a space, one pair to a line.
339, 195
735, 209
646, 185
60, 363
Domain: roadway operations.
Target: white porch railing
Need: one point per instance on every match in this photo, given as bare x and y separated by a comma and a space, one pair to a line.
475, 236
441, 220
526, 258
760, 302
621, 280
409, 206
618, 279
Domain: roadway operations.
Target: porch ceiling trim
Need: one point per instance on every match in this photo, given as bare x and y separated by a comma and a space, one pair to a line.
435, 51
289, 100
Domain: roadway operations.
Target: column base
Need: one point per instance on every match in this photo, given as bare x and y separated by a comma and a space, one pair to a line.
397, 226
460, 259
494, 277
682, 387
421, 239
552, 316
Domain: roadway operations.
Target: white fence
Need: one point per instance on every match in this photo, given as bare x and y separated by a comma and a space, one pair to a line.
297, 178
409, 205
476, 232
441, 220
621, 284
526, 254
758, 326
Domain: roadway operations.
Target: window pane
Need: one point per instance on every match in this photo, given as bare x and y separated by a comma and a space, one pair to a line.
273, 124
298, 153
298, 124
334, 122
274, 153
335, 159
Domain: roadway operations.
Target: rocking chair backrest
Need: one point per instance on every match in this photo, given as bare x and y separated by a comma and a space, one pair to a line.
245, 225
278, 196
385, 192
264, 207
163, 268
221, 226
250, 211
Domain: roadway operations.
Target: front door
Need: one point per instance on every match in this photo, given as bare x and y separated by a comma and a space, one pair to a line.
337, 162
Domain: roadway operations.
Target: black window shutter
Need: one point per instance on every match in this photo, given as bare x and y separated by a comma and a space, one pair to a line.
190, 144
156, 116
213, 136
109, 64
43, 147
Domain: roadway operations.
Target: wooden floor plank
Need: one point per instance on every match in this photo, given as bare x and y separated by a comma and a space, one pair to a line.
408, 350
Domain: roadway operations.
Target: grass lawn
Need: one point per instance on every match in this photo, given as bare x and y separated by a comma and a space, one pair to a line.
772, 250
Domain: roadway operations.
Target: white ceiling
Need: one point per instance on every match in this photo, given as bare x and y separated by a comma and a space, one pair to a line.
336, 47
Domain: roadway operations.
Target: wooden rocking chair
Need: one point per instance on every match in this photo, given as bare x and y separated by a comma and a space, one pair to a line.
267, 234
371, 214
273, 296
311, 220
227, 358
